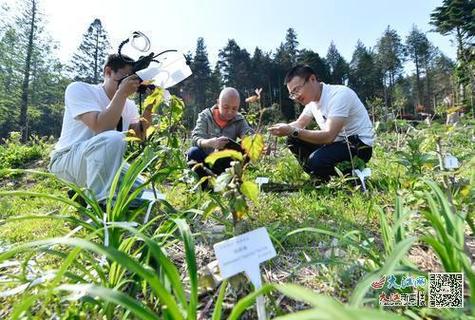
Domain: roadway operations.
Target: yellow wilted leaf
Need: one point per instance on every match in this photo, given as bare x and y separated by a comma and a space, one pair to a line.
250, 190
428, 165
465, 191
149, 131
132, 139
253, 145
211, 159
239, 215
454, 109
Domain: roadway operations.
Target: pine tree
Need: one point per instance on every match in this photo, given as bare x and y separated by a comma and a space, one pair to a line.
390, 56
417, 47
201, 75
338, 66
215, 86
88, 61
291, 44
317, 63
235, 66
262, 73
29, 22
30, 75
458, 17
364, 76
10, 81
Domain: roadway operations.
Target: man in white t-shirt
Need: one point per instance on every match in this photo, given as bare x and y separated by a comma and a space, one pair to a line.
91, 147
345, 131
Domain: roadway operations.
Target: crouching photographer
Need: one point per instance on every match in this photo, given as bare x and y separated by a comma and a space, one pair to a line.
91, 147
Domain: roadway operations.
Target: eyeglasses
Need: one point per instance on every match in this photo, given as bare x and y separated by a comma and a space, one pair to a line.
297, 90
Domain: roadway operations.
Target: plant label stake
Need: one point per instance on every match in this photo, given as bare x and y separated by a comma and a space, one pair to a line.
150, 195
362, 175
261, 180
244, 253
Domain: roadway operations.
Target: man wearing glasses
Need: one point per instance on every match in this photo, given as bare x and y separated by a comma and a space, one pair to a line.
345, 130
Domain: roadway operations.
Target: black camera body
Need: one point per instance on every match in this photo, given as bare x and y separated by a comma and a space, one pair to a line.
142, 63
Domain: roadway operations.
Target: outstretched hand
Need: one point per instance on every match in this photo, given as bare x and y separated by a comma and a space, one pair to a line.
280, 129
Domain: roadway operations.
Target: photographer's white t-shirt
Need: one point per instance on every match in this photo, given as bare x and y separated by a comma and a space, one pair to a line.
341, 101
80, 98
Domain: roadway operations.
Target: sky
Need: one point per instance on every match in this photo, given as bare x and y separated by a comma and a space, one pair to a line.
176, 24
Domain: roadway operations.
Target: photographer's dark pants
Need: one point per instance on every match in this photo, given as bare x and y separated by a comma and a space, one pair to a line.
320, 160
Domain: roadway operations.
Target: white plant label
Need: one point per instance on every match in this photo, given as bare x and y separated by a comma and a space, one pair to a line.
362, 175
451, 162
261, 180
244, 253
149, 195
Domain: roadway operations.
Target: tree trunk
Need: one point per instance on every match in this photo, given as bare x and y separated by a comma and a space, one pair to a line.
385, 88
96, 58
418, 80
26, 78
429, 95
460, 59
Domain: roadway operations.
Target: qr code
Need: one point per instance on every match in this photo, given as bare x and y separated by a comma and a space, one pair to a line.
446, 290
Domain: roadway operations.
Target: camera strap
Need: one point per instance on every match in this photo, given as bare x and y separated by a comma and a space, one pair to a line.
119, 125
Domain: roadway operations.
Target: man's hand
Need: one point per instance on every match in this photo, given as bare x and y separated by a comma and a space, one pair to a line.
280, 129
129, 85
218, 143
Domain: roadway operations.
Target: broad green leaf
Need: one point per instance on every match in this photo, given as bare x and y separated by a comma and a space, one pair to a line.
211, 159
222, 181
238, 204
154, 99
250, 190
253, 145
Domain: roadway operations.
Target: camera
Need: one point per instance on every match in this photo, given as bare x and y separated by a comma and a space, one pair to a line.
171, 69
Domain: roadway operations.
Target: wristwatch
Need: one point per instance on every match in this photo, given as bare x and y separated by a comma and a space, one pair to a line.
295, 132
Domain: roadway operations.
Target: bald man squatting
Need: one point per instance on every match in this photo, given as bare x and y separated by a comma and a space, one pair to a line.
215, 126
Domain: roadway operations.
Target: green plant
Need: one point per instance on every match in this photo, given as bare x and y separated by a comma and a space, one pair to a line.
448, 236
414, 159
138, 268
232, 183
14, 154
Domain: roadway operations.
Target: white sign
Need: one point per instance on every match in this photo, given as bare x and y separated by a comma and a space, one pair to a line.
451, 162
261, 180
239, 253
244, 253
150, 195
362, 175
